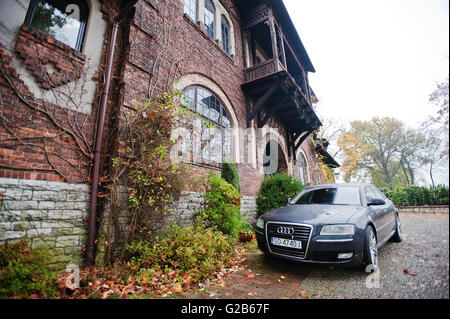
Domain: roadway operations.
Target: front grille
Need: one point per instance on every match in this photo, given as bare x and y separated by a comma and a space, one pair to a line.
301, 232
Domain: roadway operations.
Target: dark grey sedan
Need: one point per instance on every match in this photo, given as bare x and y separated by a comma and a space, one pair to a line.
334, 224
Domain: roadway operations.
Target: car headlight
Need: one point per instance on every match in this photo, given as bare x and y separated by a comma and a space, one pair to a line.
260, 223
344, 229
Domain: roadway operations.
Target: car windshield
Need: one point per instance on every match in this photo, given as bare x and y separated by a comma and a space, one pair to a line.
329, 196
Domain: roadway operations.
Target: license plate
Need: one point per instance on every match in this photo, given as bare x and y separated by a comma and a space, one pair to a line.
286, 242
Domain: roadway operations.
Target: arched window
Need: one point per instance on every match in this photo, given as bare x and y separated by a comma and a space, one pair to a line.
207, 136
65, 20
302, 169
209, 18
190, 8
225, 34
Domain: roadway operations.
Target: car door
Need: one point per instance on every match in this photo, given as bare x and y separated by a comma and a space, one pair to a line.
376, 212
389, 212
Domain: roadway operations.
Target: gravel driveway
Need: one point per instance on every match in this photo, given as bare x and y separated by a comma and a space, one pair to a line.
416, 268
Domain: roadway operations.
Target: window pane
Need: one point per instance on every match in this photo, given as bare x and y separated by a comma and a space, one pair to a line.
210, 138
209, 18
190, 8
215, 106
205, 143
185, 141
188, 99
227, 142
225, 119
58, 19
225, 35
203, 97
216, 145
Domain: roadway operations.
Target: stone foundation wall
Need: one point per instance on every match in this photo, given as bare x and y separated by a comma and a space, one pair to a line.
248, 208
54, 215
49, 214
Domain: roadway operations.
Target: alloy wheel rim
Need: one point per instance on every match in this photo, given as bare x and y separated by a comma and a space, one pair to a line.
373, 248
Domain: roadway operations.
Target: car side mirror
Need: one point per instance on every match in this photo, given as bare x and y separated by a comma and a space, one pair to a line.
376, 202
288, 201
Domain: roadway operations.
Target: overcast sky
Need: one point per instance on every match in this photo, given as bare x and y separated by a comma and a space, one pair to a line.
374, 57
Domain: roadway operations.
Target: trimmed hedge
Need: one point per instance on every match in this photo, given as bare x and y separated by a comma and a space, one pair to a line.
418, 196
274, 191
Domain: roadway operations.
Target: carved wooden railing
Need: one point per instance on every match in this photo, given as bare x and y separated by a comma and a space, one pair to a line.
262, 69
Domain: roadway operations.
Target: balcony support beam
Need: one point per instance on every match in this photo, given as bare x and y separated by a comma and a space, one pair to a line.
273, 110
302, 139
260, 103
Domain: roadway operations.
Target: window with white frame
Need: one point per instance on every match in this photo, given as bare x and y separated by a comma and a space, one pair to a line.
209, 18
190, 8
225, 34
65, 20
207, 135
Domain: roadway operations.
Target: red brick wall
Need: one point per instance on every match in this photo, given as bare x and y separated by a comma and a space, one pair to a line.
165, 45
41, 140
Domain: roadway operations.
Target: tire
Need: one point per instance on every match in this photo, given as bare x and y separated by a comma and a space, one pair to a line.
397, 237
370, 253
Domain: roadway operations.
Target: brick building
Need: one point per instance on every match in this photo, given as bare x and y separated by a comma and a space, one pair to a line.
70, 69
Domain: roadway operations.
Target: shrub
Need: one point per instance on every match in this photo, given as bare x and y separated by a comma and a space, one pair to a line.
223, 206
154, 182
196, 250
274, 191
230, 174
23, 271
440, 195
418, 196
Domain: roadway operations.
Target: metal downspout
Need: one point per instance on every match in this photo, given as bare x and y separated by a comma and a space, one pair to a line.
90, 249
90, 253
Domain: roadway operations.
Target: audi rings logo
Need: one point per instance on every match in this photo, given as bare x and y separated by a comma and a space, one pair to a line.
285, 230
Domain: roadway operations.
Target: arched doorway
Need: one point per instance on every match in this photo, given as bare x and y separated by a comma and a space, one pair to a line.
274, 160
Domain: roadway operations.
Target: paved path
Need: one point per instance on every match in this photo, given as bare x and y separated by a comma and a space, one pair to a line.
416, 268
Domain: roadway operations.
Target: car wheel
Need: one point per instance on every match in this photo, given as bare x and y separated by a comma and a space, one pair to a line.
397, 237
370, 256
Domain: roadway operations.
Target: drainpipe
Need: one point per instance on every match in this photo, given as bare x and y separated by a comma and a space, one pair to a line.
90, 252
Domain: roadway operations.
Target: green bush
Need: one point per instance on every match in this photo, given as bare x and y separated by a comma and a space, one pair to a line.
418, 196
230, 174
196, 250
23, 272
223, 206
274, 191
440, 195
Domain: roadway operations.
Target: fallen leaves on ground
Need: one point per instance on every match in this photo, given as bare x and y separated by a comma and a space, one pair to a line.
409, 272
122, 280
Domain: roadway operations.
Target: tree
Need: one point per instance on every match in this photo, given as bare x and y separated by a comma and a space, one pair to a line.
432, 154
383, 149
330, 131
412, 142
440, 121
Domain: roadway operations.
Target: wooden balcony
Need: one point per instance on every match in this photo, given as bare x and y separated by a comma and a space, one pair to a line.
262, 70
277, 87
